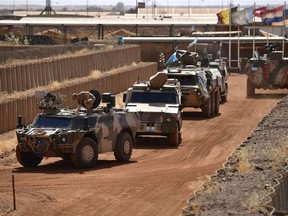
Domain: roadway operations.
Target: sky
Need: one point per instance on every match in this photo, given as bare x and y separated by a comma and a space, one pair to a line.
133, 2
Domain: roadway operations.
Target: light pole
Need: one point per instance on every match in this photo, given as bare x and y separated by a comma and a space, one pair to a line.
136, 9
188, 8
26, 7
87, 9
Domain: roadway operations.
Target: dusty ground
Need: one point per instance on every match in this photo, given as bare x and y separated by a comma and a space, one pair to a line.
157, 181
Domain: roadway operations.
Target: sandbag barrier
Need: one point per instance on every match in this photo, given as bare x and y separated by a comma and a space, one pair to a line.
115, 83
32, 74
260, 160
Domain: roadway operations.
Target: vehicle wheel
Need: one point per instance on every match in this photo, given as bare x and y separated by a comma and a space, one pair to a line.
86, 154
174, 137
217, 101
206, 109
27, 159
250, 89
224, 97
124, 146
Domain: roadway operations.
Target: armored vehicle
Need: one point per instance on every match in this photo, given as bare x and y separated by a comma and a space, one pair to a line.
158, 103
58, 132
220, 64
267, 72
201, 86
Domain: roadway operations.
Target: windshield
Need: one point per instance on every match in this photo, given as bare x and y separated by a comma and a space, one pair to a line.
184, 79
51, 122
154, 97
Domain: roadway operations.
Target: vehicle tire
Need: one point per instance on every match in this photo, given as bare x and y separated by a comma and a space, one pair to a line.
217, 102
174, 137
124, 146
250, 89
224, 97
206, 109
27, 159
86, 154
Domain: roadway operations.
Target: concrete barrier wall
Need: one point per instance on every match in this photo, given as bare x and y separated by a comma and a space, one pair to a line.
114, 83
32, 74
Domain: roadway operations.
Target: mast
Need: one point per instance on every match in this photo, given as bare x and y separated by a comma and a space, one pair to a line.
48, 9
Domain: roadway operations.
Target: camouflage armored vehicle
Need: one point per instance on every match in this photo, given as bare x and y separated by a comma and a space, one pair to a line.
201, 86
267, 72
58, 132
158, 103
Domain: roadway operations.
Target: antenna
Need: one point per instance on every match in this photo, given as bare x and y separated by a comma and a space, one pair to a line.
48, 9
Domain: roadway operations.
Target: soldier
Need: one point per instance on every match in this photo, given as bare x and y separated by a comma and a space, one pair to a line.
84, 99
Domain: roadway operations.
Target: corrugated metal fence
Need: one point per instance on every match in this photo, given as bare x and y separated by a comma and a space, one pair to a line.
115, 83
20, 77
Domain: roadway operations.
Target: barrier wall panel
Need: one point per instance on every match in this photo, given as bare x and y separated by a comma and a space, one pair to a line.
14, 79
20, 74
3, 79
33, 75
10, 80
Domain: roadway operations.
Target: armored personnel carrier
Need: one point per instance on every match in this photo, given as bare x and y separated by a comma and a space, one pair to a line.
266, 72
58, 132
158, 103
201, 86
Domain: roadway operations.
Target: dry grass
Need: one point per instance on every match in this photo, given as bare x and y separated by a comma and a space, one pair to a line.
253, 203
244, 165
279, 154
8, 141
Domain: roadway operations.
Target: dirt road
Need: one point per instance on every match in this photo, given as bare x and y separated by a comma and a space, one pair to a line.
158, 180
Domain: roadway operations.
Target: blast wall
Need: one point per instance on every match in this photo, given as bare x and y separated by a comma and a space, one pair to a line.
32, 74
116, 82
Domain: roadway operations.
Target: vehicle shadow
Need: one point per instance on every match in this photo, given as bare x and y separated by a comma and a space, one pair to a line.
66, 166
267, 96
196, 116
153, 143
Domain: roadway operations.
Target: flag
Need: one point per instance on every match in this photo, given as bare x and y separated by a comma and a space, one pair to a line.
243, 17
173, 58
224, 16
260, 11
271, 16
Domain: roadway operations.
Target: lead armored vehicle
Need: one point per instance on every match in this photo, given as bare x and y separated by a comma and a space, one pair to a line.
58, 132
158, 103
266, 72
201, 86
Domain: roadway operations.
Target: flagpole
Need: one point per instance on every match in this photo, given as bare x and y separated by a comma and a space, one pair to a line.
253, 31
284, 28
230, 19
267, 31
238, 48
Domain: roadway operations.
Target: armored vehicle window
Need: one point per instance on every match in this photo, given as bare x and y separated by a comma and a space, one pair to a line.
184, 79
51, 122
79, 123
154, 97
